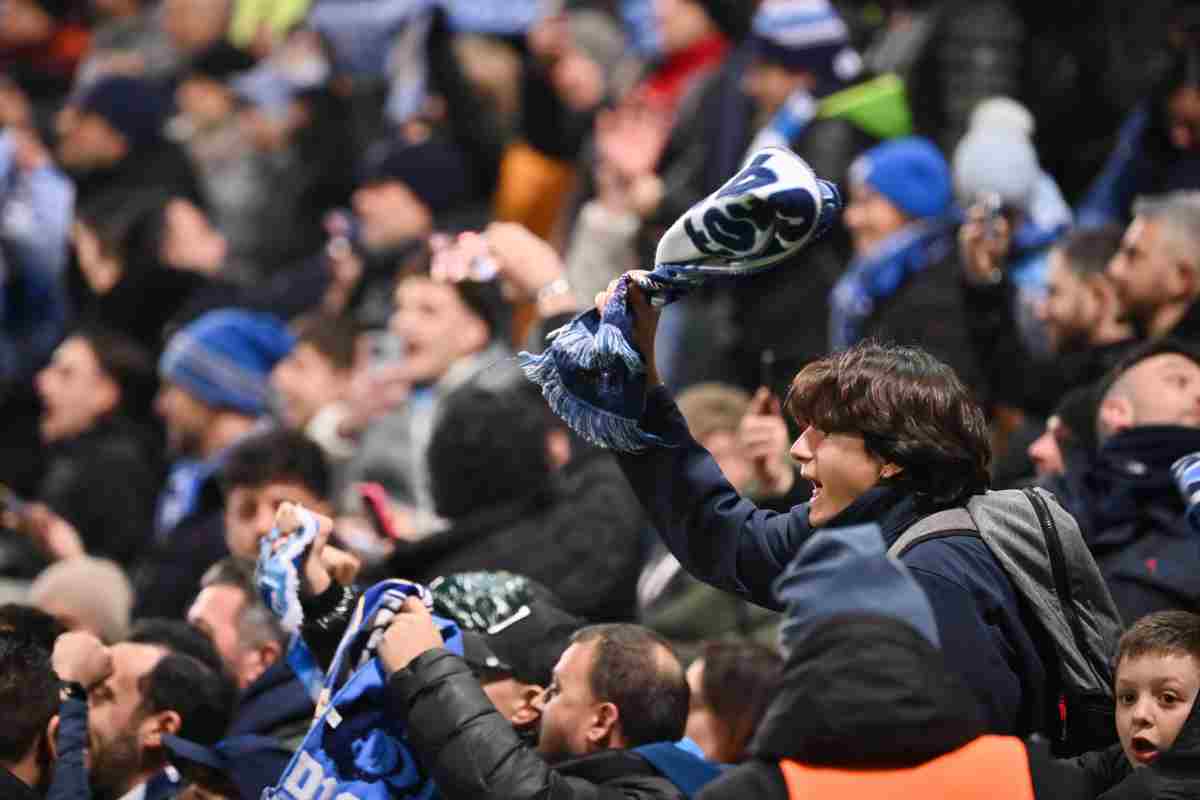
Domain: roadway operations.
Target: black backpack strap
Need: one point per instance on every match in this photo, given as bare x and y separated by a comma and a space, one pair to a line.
1058, 567
951, 522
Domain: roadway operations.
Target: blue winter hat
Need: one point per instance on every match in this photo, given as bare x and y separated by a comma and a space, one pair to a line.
136, 109
910, 172
250, 763
225, 358
805, 35
848, 570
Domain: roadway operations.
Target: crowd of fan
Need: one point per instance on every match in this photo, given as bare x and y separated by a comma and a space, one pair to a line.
256, 252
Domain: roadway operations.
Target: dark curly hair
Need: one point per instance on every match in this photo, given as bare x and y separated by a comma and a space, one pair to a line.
911, 410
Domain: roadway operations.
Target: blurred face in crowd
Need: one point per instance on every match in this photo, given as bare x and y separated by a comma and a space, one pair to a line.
193, 25
1155, 693
724, 447
1183, 118
250, 512
190, 242
204, 101
1149, 271
187, 420
871, 218
574, 721
436, 326
23, 23
391, 214
840, 469
770, 85
1071, 306
1046, 451
75, 391
87, 142
1160, 390
681, 23
306, 382
118, 728
217, 613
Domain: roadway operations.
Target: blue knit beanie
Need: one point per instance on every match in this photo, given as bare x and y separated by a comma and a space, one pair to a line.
910, 172
136, 109
225, 358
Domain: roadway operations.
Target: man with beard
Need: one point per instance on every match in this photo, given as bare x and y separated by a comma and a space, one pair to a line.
118, 703
215, 373
1082, 314
28, 703
1157, 270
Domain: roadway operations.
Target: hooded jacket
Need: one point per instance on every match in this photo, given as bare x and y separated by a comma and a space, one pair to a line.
728, 542
472, 751
866, 692
1132, 516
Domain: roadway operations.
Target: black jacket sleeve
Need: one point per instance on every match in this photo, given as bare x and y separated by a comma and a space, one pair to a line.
326, 618
467, 746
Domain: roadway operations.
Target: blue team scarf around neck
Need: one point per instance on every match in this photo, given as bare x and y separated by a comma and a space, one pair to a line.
593, 377
871, 280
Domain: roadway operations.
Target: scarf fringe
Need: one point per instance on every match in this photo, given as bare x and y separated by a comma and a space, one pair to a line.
596, 426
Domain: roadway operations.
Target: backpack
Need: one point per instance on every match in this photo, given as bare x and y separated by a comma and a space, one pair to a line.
1039, 546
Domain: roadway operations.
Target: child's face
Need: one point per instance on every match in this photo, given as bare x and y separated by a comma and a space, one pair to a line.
1155, 693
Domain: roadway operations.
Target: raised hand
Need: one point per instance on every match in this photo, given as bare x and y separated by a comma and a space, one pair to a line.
80, 657
763, 438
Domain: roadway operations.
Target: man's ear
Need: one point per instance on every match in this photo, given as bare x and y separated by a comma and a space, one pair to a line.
605, 730
52, 736
1116, 415
890, 470
528, 710
158, 724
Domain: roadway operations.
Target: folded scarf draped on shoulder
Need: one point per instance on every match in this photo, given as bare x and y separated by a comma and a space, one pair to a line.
593, 376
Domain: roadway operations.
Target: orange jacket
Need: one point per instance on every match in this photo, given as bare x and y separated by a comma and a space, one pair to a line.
989, 767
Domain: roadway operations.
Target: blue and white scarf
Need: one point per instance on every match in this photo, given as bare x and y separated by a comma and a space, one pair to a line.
591, 374
871, 280
355, 748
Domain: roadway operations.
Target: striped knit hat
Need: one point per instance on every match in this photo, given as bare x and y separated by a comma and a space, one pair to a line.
225, 358
805, 35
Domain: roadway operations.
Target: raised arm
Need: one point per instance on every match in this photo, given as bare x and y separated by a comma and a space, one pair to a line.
718, 536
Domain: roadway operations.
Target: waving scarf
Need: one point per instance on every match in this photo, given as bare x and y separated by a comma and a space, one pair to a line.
592, 375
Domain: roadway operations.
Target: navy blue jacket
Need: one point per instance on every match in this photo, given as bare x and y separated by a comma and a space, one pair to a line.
276, 704
728, 542
1133, 518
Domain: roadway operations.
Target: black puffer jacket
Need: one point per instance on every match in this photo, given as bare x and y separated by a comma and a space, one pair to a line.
471, 751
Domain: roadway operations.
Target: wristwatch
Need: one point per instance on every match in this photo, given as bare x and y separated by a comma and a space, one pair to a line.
72, 690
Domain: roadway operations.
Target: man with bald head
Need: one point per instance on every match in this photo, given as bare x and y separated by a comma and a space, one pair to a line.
1126, 501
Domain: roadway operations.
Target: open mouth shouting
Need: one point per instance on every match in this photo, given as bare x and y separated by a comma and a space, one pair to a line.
1144, 750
